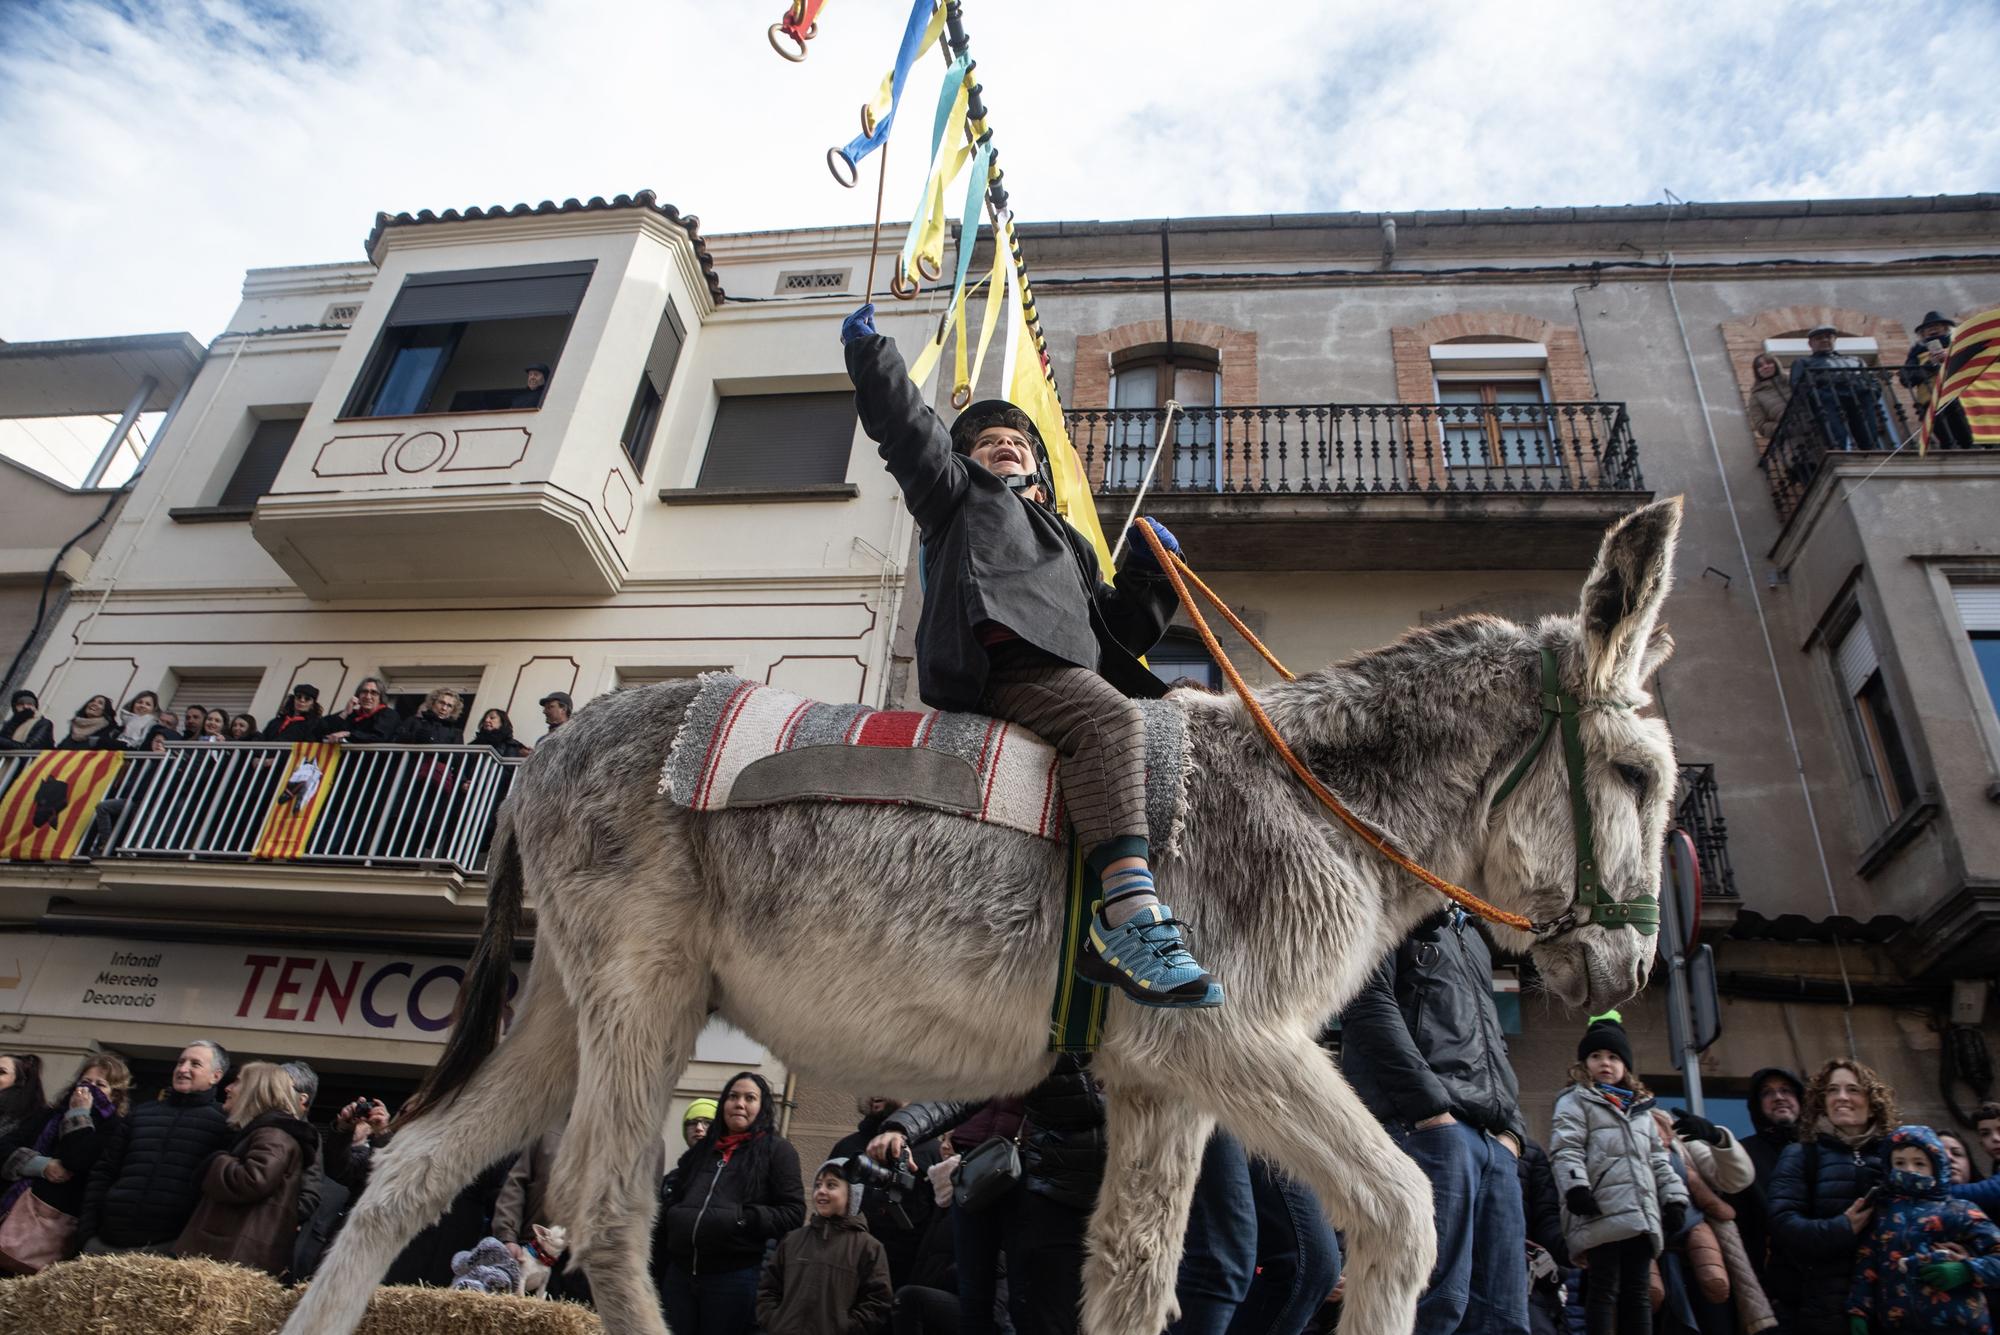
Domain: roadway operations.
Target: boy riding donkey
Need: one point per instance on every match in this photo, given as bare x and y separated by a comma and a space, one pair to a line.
1018, 624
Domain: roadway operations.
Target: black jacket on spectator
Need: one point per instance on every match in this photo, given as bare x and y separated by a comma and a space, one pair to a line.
427, 729
26, 730
292, 728
1422, 1036
1543, 1206
1764, 1147
147, 1181
79, 1145
1062, 1145
724, 1214
989, 556
1812, 1246
363, 725
104, 737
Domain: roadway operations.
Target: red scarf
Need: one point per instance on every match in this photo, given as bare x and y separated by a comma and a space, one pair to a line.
289, 719
729, 1144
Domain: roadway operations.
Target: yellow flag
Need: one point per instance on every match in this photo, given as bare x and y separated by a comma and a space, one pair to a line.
1031, 392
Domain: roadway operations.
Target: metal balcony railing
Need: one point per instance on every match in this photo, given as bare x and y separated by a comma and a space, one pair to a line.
384, 806
1842, 411
1699, 812
1334, 448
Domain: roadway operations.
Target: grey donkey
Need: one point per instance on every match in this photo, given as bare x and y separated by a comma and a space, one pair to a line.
815, 928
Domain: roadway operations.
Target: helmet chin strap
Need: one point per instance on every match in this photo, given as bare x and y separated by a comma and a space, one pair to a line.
1020, 483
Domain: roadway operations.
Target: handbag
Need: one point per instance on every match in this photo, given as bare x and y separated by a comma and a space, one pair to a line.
988, 1173
34, 1235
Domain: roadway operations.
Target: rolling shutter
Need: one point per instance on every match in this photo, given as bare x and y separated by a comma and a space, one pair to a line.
511, 293
231, 692
1978, 605
779, 440
1855, 659
262, 458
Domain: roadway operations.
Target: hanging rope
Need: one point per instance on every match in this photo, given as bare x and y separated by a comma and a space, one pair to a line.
1178, 573
799, 26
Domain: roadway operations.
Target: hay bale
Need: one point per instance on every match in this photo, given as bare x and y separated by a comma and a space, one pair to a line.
118, 1295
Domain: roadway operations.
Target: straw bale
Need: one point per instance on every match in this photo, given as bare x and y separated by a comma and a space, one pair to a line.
122, 1295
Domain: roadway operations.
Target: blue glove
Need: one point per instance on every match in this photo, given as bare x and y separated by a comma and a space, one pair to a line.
861, 324
1141, 549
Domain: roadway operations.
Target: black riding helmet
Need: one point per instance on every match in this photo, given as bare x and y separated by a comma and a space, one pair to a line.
998, 412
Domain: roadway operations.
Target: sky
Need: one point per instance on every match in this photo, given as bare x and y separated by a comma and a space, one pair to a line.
152, 150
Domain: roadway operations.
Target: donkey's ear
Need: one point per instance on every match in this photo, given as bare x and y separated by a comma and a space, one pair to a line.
1659, 648
1622, 597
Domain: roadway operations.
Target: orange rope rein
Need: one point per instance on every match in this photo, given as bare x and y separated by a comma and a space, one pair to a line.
1180, 575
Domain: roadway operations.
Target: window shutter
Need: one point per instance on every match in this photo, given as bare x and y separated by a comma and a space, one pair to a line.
1978, 605
262, 458
666, 351
779, 440
231, 692
491, 294
1855, 658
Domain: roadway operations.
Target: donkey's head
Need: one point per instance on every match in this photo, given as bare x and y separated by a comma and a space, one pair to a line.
1591, 872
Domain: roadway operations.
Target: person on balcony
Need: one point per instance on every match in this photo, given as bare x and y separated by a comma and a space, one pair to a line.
497, 731
556, 709
214, 727
26, 729
368, 718
196, 717
299, 720
439, 721
136, 719
1848, 404
1919, 375
243, 728
536, 384
1770, 395
95, 727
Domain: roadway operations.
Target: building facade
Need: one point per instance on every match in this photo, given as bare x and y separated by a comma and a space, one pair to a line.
1387, 421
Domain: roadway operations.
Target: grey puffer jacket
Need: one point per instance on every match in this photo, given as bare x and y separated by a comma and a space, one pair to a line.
1617, 1153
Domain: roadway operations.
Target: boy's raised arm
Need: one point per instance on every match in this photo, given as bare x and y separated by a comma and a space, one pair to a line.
907, 433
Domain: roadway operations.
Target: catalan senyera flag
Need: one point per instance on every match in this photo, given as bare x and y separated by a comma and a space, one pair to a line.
1970, 377
45, 815
308, 778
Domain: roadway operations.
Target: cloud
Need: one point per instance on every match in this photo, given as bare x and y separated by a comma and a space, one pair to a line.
155, 149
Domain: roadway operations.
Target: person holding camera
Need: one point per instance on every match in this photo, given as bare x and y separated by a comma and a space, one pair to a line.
733, 1191
829, 1276
357, 1130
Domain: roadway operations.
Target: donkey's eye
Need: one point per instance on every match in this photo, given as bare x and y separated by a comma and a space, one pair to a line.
1635, 776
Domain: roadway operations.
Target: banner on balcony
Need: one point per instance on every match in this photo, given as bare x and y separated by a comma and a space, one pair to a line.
1970, 378
288, 826
45, 815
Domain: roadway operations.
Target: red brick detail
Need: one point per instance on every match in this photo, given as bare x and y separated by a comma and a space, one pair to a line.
1236, 348
1568, 369
1744, 339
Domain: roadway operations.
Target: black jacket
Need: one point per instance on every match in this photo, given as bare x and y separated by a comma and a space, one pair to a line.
147, 1181
379, 726
722, 1216
1764, 1147
1422, 1037
899, 1226
1812, 1247
293, 728
989, 556
424, 728
40, 734
1062, 1140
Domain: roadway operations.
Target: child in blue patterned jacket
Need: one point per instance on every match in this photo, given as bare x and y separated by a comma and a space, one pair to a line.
1925, 1258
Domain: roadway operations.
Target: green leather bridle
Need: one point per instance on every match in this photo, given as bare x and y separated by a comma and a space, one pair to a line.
1592, 904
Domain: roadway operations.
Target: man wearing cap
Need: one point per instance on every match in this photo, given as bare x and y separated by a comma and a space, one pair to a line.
298, 720
537, 384
1919, 375
556, 709
1849, 406
1018, 623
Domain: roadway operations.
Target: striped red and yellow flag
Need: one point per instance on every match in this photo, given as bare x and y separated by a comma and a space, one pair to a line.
45, 815
308, 779
1970, 378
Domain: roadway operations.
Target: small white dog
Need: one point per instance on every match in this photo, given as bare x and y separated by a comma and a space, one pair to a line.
539, 1257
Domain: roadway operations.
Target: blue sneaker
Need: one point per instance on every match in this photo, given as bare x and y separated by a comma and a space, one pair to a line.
1145, 958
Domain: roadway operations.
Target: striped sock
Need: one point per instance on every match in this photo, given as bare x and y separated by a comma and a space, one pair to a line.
1126, 893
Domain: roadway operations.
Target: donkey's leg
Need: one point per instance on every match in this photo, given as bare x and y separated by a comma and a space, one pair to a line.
640, 1019
1288, 1104
519, 1093
1154, 1155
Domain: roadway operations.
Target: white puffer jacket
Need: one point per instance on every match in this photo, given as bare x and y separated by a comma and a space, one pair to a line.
1618, 1155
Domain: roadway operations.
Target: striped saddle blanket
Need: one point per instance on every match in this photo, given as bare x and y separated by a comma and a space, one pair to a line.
745, 744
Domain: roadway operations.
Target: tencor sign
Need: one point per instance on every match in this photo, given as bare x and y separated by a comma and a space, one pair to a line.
407, 997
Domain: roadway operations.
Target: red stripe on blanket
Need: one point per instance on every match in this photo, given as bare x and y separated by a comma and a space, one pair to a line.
993, 772
719, 742
790, 726
896, 728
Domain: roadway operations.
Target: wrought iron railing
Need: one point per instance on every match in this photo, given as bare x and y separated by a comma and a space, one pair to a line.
1838, 411
1699, 812
1363, 448
384, 806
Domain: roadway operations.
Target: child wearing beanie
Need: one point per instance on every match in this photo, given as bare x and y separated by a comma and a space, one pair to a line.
1621, 1196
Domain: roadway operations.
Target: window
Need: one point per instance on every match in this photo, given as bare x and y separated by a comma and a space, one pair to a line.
408, 687
1979, 610
1793, 346
1878, 735
644, 418
813, 280
228, 689
1180, 658
1489, 394
1142, 380
629, 677
779, 440
462, 341
262, 458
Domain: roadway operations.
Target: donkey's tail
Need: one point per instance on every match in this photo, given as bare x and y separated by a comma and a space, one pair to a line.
482, 1000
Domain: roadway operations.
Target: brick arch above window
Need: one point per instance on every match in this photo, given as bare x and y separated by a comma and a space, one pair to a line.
1745, 338
1568, 370
1235, 348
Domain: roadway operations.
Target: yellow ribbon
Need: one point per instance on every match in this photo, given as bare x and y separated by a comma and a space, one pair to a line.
884, 98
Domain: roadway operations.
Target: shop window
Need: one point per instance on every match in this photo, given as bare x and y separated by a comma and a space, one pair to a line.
1180, 659
1143, 379
1979, 613
779, 441
651, 396
464, 340
1879, 741
258, 469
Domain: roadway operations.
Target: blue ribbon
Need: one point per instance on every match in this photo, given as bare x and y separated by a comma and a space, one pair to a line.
862, 145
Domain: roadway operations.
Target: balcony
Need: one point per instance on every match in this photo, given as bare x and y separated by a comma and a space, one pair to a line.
1698, 811
1398, 486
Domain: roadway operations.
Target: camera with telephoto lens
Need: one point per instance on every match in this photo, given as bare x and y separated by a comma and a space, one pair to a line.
893, 1183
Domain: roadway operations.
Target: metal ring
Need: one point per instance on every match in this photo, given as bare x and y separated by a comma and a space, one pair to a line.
932, 270
773, 33
835, 162
901, 288
960, 396
867, 120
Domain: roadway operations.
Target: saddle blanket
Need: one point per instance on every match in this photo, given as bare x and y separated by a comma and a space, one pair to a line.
745, 744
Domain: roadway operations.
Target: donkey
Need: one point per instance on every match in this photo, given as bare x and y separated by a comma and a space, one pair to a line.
807, 926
